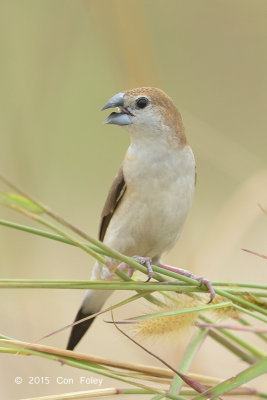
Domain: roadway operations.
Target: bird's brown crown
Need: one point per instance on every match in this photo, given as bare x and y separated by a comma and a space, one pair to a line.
161, 101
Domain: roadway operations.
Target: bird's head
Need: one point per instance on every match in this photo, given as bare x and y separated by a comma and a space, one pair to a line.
147, 113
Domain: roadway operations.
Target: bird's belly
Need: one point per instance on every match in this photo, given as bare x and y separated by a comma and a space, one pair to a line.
149, 223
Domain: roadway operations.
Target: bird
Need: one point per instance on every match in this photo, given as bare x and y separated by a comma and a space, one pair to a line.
152, 193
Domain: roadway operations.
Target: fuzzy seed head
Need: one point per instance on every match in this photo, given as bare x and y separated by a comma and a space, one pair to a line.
223, 313
162, 327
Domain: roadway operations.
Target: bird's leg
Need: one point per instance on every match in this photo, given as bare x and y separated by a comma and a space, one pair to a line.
147, 262
113, 265
189, 274
125, 267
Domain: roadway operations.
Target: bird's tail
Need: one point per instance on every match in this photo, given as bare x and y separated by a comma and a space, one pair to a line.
92, 303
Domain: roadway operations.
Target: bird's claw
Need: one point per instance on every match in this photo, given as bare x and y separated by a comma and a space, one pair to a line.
189, 274
208, 284
147, 262
144, 261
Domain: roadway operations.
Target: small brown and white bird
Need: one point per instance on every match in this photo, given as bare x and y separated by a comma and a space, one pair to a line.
152, 193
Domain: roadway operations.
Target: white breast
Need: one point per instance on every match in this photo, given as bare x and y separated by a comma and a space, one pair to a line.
160, 184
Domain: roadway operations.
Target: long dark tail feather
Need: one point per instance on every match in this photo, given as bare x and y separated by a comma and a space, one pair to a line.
78, 330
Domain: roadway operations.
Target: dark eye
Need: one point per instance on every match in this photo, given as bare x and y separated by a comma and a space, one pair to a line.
142, 102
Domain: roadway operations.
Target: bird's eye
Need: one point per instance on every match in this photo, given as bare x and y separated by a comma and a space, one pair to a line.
142, 102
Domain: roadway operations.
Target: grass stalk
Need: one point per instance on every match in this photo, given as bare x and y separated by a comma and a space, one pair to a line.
83, 365
252, 372
253, 350
187, 359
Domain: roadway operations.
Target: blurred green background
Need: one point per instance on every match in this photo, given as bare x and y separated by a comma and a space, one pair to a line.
60, 62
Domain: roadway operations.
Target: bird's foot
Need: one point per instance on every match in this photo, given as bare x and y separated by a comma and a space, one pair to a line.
184, 272
147, 262
143, 260
112, 265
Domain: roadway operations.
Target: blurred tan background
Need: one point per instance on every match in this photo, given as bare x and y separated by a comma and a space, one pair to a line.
60, 62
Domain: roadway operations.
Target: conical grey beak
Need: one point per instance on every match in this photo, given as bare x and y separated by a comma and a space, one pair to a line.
118, 119
121, 118
116, 101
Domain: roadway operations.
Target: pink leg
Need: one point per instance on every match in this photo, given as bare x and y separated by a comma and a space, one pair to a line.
123, 266
113, 265
189, 274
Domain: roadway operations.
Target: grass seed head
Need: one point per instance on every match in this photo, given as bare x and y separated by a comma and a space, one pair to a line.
161, 327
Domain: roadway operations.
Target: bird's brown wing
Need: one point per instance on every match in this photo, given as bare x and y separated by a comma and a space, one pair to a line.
115, 195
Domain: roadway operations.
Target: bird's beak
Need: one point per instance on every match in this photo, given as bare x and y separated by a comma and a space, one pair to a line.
121, 118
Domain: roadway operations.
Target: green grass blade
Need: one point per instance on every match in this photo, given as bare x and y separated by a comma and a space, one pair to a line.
247, 375
238, 340
188, 357
183, 311
85, 366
